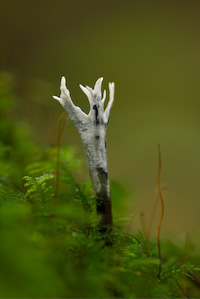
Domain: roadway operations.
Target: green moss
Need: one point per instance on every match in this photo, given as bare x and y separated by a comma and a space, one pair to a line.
53, 249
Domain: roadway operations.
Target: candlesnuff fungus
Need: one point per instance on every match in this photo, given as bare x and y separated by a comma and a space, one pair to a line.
92, 128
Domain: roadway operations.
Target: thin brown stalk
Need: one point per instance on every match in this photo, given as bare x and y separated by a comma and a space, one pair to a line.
162, 214
184, 294
61, 126
152, 217
143, 222
185, 260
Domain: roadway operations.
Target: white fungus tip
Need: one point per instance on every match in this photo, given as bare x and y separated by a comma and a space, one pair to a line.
81, 86
63, 80
89, 88
104, 97
63, 83
112, 89
97, 86
56, 98
86, 92
98, 82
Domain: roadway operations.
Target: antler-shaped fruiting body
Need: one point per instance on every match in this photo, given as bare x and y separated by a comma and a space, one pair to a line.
92, 128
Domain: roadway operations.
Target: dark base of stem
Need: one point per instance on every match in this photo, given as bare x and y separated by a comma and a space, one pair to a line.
104, 212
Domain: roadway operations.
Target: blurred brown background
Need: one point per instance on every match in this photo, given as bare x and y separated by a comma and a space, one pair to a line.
151, 50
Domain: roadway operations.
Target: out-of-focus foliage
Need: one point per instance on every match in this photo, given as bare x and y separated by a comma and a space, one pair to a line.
16, 147
53, 249
151, 50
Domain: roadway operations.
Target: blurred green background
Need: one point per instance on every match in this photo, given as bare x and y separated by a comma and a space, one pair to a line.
151, 50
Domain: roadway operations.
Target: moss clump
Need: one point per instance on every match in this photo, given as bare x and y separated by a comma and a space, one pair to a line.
53, 249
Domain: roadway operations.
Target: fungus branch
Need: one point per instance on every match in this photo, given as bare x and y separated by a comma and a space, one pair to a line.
92, 129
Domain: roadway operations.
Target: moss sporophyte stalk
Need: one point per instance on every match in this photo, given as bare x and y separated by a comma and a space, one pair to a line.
92, 128
51, 242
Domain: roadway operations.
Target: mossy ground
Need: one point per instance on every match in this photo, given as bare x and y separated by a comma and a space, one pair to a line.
50, 245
